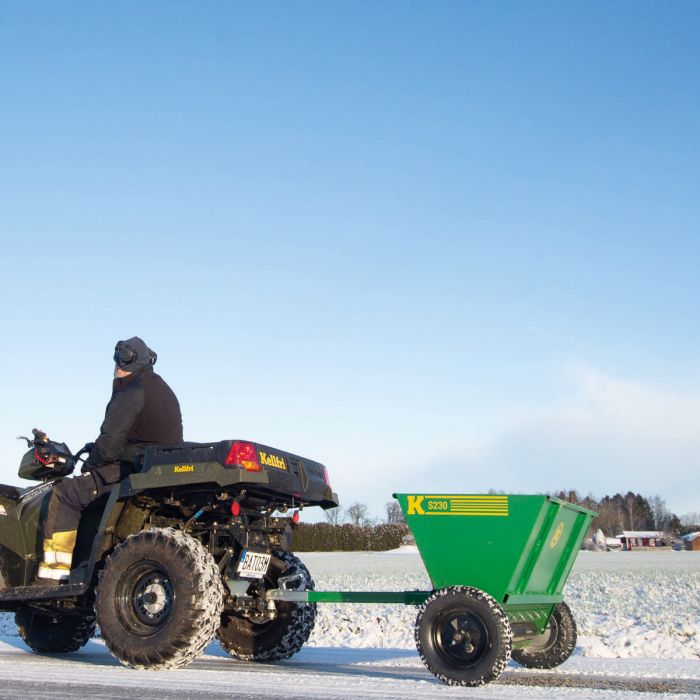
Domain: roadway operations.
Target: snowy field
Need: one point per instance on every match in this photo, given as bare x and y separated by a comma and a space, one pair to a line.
626, 604
639, 627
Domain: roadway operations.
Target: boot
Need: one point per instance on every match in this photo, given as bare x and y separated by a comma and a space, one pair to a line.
58, 557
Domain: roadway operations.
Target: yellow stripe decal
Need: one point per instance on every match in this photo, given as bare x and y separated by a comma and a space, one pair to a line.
496, 506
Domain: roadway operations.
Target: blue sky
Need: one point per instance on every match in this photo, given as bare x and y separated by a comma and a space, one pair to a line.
433, 245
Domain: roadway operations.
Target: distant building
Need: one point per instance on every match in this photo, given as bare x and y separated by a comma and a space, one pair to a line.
613, 543
637, 539
692, 541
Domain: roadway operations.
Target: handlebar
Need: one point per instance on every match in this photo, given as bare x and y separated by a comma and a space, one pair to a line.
41, 439
85, 449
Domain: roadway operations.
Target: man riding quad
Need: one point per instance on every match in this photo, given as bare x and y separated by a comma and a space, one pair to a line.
143, 411
163, 543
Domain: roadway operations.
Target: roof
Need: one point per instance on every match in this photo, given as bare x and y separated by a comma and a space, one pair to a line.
648, 534
691, 536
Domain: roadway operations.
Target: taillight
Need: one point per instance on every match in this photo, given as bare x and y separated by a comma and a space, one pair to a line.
245, 455
325, 477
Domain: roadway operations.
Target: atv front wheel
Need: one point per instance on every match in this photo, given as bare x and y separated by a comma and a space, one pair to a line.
555, 646
59, 633
286, 634
159, 599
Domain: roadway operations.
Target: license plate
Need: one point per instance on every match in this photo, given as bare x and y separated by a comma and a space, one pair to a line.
253, 564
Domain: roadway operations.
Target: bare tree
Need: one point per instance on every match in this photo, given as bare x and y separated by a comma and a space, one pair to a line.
357, 514
662, 517
690, 521
332, 516
621, 524
572, 496
633, 513
608, 519
394, 514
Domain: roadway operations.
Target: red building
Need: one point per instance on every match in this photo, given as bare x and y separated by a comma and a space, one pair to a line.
636, 539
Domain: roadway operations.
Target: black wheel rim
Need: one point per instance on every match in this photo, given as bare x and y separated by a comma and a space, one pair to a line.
145, 598
460, 638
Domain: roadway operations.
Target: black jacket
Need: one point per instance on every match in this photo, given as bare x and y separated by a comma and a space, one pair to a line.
143, 410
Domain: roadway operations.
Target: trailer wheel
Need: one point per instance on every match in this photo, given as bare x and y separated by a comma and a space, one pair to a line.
463, 636
55, 633
280, 638
553, 647
159, 599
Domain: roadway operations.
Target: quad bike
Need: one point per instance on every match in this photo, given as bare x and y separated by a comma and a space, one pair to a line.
192, 545
185, 548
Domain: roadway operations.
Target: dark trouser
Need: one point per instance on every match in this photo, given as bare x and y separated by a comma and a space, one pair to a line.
71, 497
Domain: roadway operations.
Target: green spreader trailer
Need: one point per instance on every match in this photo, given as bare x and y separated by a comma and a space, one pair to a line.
498, 565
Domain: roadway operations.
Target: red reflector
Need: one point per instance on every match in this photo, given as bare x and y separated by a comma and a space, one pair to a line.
295, 517
235, 509
245, 455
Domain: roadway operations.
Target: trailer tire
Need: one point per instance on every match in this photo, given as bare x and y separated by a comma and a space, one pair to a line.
463, 636
159, 599
59, 633
276, 639
553, 647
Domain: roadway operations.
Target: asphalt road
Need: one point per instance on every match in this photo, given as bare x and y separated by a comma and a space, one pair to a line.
314, 674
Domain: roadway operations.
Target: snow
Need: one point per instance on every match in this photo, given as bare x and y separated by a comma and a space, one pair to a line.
626, 604
645, 534
638, 615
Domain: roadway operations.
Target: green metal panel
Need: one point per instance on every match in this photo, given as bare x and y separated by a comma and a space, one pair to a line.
509, 546
404, 597
519, 549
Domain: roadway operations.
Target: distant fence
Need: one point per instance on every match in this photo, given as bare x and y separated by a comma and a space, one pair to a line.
324, 537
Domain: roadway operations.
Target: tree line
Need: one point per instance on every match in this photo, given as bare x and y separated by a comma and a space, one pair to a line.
353, 529
632, 511
629, 511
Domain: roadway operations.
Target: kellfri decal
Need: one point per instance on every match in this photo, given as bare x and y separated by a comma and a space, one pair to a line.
180, 468
272, 461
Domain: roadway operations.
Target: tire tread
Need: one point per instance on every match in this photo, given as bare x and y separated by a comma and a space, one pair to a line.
203, 611
502, 641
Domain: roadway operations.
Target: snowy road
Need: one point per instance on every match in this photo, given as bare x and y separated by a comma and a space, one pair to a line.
326, 673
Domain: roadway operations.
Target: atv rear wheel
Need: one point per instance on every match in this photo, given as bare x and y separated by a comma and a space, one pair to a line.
555, 646
159, 599
276, 639
59, 633
463, 636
